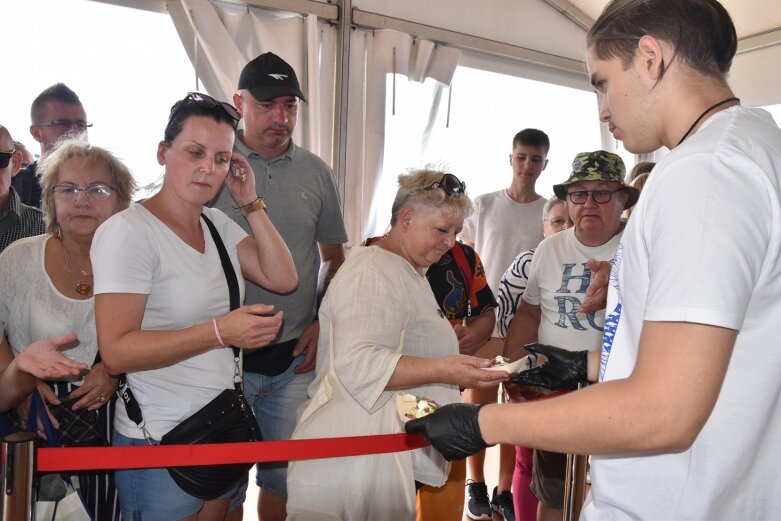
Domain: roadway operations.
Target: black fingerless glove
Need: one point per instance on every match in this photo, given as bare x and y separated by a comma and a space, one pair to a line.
563, 369
452, 429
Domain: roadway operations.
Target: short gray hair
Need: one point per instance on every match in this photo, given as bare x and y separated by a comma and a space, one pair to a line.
549, 204
413, 193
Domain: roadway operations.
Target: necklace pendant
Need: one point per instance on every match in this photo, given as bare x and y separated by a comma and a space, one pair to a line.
83, 288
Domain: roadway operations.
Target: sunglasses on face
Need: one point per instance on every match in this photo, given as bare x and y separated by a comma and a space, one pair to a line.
452, 185
5, 158
206, 101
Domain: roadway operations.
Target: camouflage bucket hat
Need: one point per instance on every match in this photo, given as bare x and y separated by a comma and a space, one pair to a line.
598, 166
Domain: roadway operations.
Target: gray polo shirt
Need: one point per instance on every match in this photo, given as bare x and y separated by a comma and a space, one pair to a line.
304, 206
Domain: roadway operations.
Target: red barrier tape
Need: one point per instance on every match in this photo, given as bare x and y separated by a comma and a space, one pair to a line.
98, 458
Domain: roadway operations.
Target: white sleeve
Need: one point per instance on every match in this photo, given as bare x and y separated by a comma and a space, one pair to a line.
368, 317
124, 259
511, 289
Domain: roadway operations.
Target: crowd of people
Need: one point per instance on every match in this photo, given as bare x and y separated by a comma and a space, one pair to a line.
649, 319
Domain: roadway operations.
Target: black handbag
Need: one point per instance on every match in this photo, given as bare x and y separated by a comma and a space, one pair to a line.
79, 428
228, 418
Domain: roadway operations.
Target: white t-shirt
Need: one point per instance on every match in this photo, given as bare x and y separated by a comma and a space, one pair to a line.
377, 309
500, 229
704, 246
557, 283
34, 309
134, 252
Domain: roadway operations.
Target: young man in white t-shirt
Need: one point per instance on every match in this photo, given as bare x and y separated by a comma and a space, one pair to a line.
686, 419
503, 224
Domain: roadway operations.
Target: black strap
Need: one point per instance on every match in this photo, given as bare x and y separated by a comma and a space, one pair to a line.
132, 407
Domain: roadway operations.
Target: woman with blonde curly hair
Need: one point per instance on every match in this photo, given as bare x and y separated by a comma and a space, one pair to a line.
382, 333
46, 291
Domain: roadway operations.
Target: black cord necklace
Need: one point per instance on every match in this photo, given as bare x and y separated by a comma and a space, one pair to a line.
719, 104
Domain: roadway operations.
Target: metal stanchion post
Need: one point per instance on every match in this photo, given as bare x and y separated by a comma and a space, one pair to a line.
575, 484
19, 476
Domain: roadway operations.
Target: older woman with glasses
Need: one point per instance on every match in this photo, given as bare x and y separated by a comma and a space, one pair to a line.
46, 290
382, 335
162, 302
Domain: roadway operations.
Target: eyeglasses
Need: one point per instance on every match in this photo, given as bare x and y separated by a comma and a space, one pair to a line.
93, 193
67, 124
599, 196
452, 185
5, 158
206, 101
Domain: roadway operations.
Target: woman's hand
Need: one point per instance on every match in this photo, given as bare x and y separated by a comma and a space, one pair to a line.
241, 180
96, 390
250, 327
44, 360
470, 372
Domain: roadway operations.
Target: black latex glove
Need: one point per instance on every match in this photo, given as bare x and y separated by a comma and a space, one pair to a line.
563, 369
452, 430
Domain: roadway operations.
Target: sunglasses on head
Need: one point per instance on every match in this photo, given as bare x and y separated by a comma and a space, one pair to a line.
452, 185
5, 158
206, 101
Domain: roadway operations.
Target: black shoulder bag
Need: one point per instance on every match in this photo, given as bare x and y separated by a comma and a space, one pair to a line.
228, 418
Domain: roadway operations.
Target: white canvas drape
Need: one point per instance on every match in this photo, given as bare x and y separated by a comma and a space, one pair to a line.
220, 38
372, 58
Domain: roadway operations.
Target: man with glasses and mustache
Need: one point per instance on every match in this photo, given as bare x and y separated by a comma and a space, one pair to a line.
55, 112
304, 206
550, 310
17, 220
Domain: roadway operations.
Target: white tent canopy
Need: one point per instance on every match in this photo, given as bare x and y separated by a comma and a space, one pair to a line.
342, 52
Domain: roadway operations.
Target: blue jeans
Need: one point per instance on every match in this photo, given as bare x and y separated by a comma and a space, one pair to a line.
152, 495
275, 400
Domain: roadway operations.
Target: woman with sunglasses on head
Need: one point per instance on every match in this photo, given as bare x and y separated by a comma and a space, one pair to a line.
382, 335
46, 290
162, 301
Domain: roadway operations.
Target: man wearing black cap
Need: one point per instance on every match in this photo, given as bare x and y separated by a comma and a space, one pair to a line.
304, 206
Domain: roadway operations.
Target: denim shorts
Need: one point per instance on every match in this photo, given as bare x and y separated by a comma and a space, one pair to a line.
152, 495
275, 400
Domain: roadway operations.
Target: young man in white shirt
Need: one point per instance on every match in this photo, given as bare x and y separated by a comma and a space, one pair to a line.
686, 419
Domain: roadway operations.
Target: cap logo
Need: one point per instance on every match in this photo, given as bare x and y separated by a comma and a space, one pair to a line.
278, 76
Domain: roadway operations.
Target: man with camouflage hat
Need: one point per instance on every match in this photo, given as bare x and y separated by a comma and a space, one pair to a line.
550, 310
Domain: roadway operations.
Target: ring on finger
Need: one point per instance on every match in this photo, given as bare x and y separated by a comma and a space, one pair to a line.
101, 398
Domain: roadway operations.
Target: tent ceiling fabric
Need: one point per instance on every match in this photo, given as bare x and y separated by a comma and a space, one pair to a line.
750, 16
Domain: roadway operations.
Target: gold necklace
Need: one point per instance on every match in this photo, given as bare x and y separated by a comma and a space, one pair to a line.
83, 288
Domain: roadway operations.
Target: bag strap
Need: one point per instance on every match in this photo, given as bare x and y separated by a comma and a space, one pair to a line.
132, 406
466, 269
233, 291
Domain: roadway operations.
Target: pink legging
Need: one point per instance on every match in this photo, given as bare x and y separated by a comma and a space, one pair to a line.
524, 501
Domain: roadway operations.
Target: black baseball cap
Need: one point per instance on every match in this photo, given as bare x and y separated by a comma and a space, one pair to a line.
269, 76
